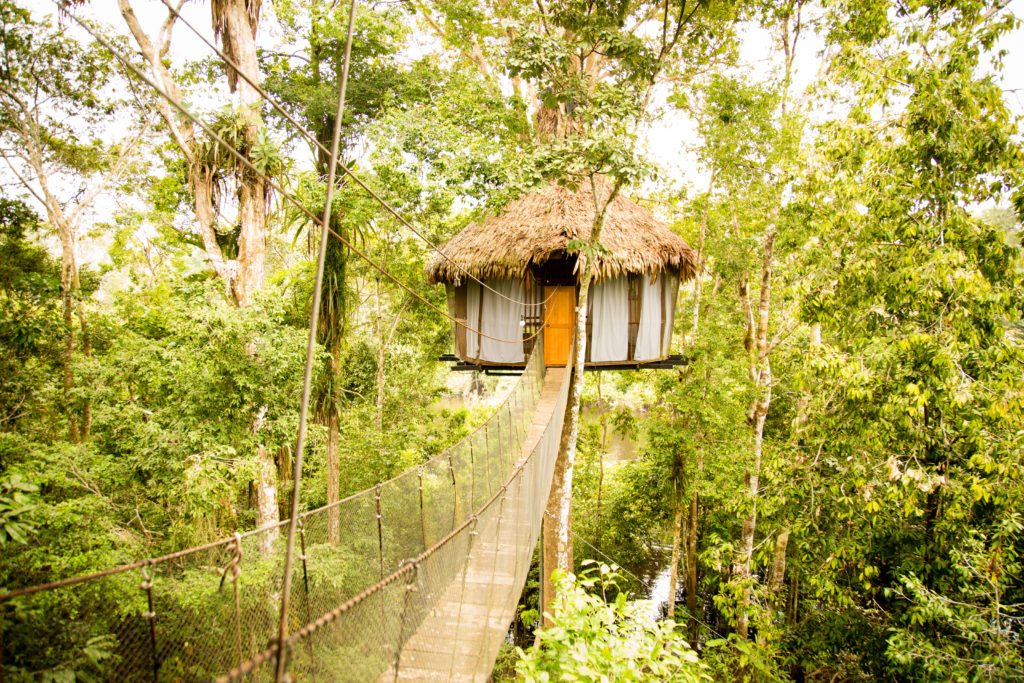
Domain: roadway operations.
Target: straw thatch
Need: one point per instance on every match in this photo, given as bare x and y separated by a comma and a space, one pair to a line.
537, 227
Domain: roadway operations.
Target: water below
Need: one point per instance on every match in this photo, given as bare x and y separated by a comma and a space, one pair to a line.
657, 596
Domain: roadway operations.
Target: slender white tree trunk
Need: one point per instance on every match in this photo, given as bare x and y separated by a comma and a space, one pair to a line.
677, 541
557, 525
267, 510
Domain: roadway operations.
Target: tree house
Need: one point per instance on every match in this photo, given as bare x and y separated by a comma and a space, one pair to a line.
522, 256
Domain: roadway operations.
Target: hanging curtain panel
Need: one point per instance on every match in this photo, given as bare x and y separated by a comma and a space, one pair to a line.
500, 318
472, 319
649, 339
609, 336
670, 292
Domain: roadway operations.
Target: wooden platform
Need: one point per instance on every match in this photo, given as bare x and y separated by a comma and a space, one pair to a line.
459, 639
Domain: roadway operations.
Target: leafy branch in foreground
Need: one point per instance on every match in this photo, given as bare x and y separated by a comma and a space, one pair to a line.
592, 638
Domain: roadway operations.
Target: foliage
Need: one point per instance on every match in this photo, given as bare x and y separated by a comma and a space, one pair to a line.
892, 452
591, 639
17, 501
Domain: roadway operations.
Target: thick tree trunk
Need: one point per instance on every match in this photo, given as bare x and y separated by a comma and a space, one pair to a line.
267, 512
252, 240
776, 579
235, 25
238, 35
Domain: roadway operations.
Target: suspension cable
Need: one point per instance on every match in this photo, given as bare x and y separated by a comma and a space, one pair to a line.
307, 377
305, 133
277, 186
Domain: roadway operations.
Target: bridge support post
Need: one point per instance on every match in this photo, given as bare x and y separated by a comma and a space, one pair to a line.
150, 616
423, 519
403, 635
380, 530
470, 548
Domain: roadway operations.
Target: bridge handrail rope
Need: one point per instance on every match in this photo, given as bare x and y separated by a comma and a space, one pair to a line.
275, 185
540, 463
305, 133
182, 636
228, 540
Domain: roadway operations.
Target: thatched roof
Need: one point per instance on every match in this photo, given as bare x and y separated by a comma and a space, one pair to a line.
537, 227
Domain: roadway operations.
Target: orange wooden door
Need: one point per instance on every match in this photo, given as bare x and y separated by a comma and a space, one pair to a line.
559, 321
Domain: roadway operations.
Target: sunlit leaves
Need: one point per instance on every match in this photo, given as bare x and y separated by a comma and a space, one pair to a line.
599, 637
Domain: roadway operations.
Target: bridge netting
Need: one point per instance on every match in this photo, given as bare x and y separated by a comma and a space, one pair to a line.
418, 577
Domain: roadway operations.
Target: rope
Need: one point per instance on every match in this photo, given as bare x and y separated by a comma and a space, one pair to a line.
410, 566
341, 166
307, 379
259, 650
213, 545
277, 186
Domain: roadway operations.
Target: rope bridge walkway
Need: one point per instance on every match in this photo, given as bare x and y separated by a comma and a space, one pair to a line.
415, 579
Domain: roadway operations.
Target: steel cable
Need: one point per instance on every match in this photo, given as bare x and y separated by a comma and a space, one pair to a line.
278, 187
305, 133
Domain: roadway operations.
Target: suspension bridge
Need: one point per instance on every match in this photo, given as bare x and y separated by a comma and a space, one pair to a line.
417, 578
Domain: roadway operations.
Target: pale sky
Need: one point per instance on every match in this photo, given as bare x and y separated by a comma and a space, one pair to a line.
669, 140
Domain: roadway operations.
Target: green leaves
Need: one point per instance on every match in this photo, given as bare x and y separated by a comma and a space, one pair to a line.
18, 499
592, 639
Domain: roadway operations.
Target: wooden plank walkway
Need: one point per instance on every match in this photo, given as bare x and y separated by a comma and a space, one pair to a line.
460, 638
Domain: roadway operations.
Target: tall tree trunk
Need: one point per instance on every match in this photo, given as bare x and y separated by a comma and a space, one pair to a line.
237, 29
67, 298
677, 541
793, 599
252, 239
761, 370
267, 511
776, 579
691, 568
235, 25
379, 415
333, 470
557, 525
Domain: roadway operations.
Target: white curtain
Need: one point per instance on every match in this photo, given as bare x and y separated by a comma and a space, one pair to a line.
609, 315
649, 340
501, 318
472, 319
669, 291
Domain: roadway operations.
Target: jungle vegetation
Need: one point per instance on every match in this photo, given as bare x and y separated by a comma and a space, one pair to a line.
836, 477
